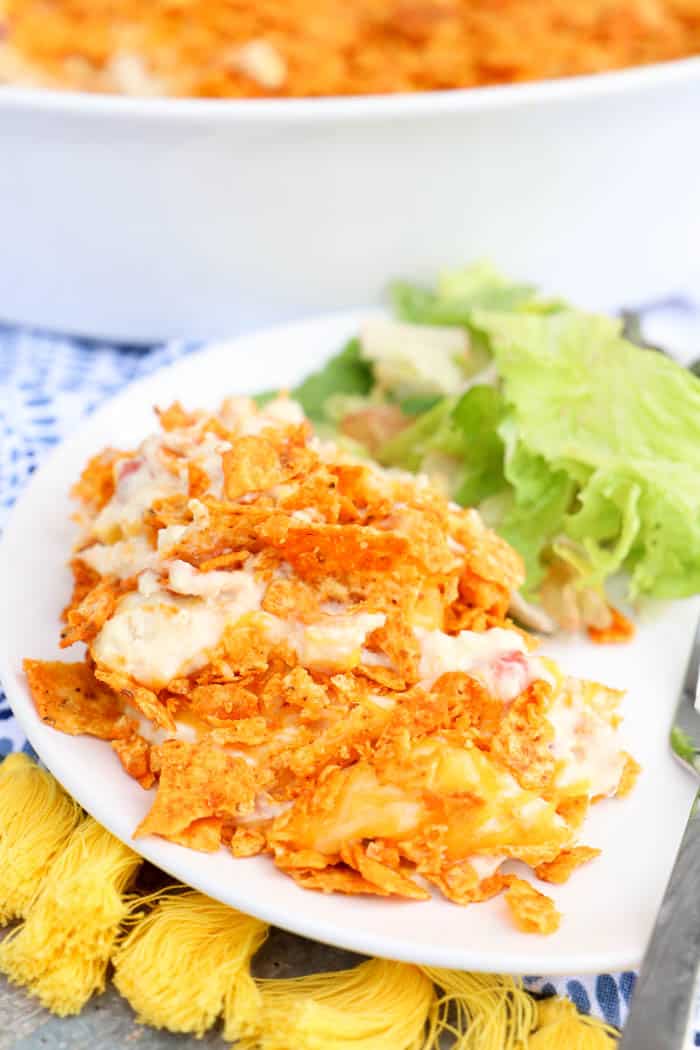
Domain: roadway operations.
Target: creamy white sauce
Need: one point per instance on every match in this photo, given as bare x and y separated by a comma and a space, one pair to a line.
158, 638
372, 659
148, 584
587, 745
140, 481
239, 588
242, 414
155, 635
498, 658
265, 809
485, 866
122, 559
169, 536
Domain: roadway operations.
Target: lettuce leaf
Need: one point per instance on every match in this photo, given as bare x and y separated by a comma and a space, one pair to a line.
345, 373
622, 425
460, 292
463, 429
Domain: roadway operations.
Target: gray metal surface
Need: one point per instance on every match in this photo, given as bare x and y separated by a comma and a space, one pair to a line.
108, 1023
660, 1014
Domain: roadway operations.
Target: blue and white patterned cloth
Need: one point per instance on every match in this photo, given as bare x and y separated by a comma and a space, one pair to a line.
47, 384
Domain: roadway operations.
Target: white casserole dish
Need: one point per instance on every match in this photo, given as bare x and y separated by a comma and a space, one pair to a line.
145, 218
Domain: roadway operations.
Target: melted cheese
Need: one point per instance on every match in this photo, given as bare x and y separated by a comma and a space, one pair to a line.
366, 809
585, 743
335, 641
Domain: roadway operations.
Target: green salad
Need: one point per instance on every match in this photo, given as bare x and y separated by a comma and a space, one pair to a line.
581, 448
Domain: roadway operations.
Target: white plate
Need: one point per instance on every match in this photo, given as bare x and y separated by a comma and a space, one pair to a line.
608, 906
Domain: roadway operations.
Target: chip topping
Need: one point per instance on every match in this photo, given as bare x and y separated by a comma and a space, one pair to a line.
310, 657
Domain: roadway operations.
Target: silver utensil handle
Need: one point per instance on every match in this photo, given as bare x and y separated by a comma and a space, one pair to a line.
659, 1018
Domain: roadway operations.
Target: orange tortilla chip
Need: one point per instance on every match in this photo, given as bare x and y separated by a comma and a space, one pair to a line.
198, 481
574, 810
561, 868
220, 704
84, 579
204, 835
174, 416
134, 754
67, 697
85, 620
336, 880
251, 465
246, 647
630, 773
491, 557
144, 699
523, 739
96, 485
198, 782
460, 883
317, 551
530, 910
620, 629
248, 731
247, 842
387, 879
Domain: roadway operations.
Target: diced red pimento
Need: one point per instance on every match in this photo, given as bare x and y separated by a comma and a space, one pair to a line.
511, 675
127, 467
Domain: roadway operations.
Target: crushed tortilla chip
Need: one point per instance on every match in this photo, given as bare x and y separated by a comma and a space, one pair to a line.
337, 880
314, 703
561, 868
630, 774
387, 879
84, 621
620, 629
96, 485
532, 911
68, 697
144, 699
247, 842
198, 782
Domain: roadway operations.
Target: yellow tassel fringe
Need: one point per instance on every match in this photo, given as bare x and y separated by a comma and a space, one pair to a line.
378, 1005
560, 1025
481, 1011
62, 950
186, 961
36, 818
